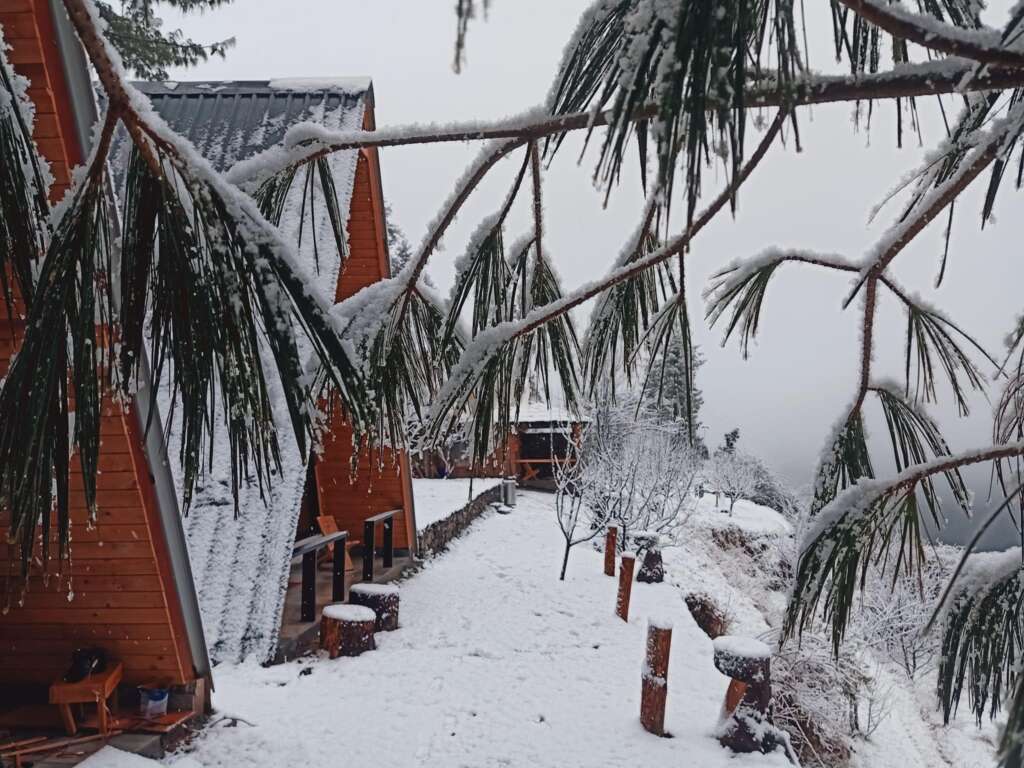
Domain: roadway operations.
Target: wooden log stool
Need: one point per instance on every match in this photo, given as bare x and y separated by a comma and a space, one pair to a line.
347, 630
382, 599
96, 689
652, 567
747, 709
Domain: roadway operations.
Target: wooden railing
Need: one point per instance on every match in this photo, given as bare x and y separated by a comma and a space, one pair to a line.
307, 549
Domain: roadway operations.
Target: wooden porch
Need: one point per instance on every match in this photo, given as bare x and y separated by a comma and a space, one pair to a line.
320, 576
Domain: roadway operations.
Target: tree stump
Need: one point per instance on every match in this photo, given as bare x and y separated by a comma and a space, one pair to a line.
625, 585
652, 569
611, 539
747, 708
382, 599
347, 630
654, 681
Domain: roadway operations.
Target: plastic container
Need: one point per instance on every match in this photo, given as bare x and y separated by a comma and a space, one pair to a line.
152, 702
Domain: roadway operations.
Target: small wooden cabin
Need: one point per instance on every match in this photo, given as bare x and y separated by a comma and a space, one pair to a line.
246, 571
539, 438
129, 588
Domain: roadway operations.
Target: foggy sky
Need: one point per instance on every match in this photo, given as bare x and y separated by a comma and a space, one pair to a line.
803, 372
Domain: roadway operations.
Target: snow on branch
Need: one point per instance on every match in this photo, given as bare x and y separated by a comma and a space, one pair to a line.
985, 46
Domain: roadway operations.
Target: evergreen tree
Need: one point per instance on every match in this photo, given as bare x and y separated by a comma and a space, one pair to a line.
135, 29
399, 249
672, 394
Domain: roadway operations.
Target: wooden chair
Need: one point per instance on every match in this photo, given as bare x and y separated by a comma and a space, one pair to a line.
329, 525
96, 689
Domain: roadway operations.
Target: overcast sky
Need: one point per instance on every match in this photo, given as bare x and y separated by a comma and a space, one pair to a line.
802, 374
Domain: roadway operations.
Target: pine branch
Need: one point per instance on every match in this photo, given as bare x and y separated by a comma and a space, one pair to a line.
306, 142
927, 31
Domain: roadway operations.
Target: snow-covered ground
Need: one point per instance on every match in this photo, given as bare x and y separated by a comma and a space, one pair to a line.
497, 663
437, 499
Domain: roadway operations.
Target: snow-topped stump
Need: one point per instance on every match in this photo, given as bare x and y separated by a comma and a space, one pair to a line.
652, 569
382, 599
746, 715
654, 680
347, 630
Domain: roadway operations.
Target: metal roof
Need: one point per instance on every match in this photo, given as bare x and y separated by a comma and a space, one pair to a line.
231, 120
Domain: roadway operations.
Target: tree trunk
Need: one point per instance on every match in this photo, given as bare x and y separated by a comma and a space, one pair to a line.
565, 560
382, 599
347, 630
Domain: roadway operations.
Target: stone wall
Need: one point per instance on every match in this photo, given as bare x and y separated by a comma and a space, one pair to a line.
436, 536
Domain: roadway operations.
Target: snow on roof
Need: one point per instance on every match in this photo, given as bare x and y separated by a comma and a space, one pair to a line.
352, 85
241, 565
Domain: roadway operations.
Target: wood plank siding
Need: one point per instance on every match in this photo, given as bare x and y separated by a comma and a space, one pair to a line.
381, 483
117, 591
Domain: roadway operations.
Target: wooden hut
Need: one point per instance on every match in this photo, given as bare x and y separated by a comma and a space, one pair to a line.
129, 588
247, 570
539, 439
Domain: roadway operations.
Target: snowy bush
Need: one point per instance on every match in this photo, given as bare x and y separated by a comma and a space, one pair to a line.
893, 616
825, 701
639, 478
734, 475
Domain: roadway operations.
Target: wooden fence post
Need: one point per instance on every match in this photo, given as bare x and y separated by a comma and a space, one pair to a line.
625, 585
747, 708
611, 539
654, 680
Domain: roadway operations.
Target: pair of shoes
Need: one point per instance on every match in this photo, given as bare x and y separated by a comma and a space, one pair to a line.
84, 662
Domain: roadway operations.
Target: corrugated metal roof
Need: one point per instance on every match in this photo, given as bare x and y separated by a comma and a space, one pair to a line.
232, 120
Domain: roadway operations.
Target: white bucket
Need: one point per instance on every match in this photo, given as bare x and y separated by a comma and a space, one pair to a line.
152, 702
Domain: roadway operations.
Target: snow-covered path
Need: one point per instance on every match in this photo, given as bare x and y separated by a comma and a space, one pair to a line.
497, 663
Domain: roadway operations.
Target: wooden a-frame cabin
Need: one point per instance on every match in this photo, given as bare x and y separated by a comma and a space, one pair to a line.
128, 588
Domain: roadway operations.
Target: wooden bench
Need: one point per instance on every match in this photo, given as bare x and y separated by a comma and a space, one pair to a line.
307, 549
96, 689
387, 519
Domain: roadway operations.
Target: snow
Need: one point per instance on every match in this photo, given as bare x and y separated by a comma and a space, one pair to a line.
345, 612
374, 589
111, 757
741, 647
498, 664
352, 85
436, 500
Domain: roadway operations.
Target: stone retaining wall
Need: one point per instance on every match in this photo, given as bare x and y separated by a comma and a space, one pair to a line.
436, 536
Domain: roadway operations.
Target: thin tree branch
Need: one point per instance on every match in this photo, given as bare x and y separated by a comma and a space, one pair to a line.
677, 245
538, 205
931, 33
907, 81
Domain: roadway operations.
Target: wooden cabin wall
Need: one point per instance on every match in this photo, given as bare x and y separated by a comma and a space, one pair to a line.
124, 598
381, 484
